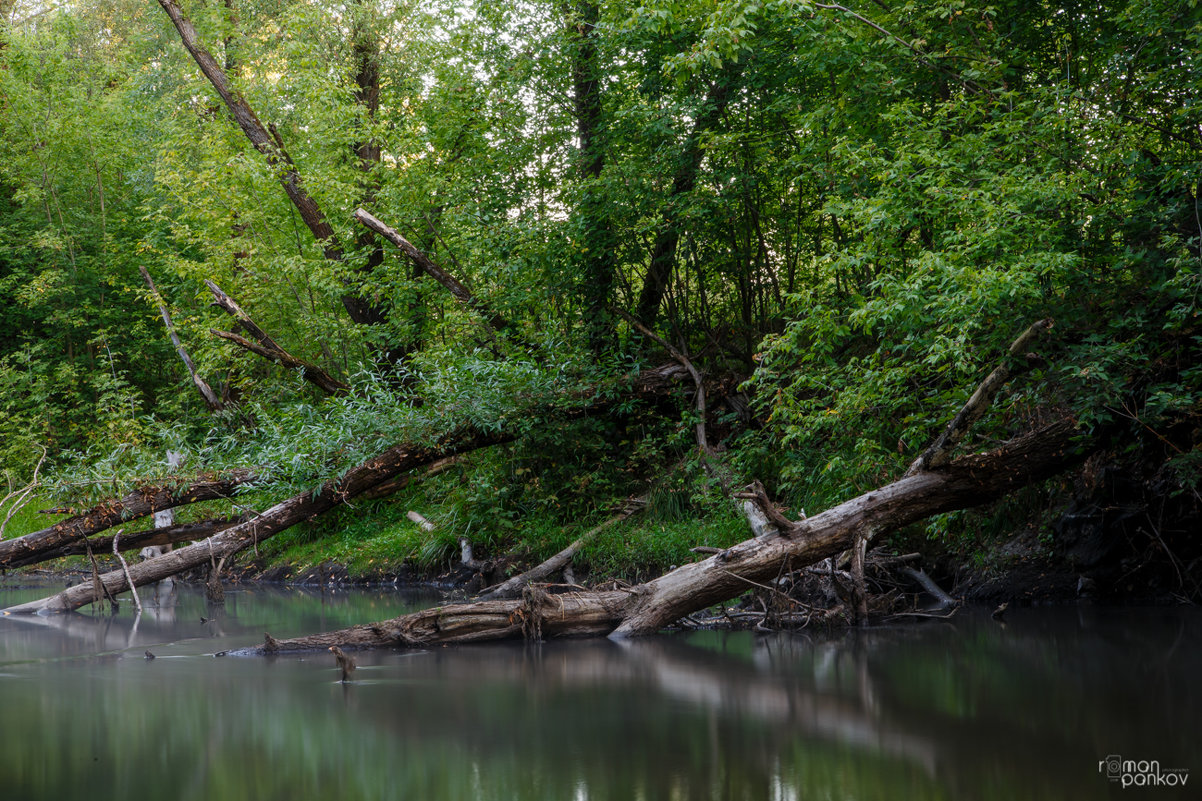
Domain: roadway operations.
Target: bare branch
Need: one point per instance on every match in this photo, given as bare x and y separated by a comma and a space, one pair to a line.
268, 348
210, 398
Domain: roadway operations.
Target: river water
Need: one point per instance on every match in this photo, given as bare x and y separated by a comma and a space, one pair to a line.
965, 708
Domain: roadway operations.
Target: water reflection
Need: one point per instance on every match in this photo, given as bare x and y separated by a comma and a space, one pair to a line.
958, 709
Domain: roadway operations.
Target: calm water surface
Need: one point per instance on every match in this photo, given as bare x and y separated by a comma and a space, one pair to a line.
959, 709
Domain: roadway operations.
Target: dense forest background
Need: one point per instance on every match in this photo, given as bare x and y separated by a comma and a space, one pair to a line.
841, 215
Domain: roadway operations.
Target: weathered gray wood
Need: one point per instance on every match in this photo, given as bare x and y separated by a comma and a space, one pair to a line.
430, 268
940, 450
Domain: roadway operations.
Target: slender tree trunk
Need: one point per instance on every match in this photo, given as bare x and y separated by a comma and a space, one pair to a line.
596, 231
663, 252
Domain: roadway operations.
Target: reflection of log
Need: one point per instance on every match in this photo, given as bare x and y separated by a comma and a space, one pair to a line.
644, 609
279, 517
170, 535
143, 501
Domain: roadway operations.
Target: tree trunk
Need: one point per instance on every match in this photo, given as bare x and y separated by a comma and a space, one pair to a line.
279, 517
663, 252
645, 609
596, 232
169, 535
41, 545
427, 265
210, 398
267, 141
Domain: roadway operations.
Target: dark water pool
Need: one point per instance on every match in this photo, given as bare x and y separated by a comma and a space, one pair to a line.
959, 709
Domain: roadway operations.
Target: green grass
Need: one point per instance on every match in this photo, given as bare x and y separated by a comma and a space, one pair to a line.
27, 517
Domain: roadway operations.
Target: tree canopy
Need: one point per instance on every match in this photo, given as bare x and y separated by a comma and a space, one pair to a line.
848, 212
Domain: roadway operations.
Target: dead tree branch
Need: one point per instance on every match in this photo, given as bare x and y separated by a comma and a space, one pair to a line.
210, 397
939, 451
430, 268
514, 586
268, 348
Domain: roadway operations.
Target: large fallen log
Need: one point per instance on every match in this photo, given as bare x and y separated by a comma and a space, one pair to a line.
135, 540
283, 515
41, 545
646, 608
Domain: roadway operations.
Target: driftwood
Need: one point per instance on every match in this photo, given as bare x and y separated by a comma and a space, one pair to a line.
267, 347
930, 486
646, 608
43, 544
928, 584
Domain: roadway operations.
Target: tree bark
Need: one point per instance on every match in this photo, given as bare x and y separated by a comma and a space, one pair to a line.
599, 255
143, 501
267, 141
645, 609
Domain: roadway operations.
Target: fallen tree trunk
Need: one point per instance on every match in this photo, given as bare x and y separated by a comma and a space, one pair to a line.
40, 545
652, 383
168, 535
646, 608
391, 462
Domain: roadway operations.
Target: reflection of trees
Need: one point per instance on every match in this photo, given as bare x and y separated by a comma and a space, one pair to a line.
966, 709
172, 612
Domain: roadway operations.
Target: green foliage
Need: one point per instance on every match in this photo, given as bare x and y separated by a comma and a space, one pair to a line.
857, 211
